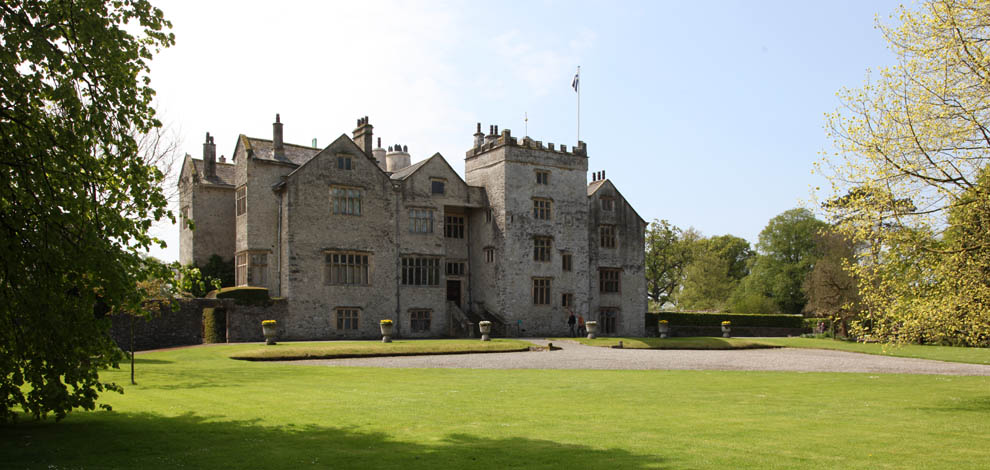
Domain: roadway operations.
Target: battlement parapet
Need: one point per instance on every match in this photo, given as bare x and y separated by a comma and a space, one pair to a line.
484, 143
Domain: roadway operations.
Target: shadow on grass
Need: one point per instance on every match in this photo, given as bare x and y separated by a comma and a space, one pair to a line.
975, 404
148, 441
141, 360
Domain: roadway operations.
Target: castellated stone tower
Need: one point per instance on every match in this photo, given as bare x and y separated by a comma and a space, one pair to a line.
533, 261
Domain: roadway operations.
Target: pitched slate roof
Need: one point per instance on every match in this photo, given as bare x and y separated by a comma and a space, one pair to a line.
594, 185
225, 173
409, 170
264, 150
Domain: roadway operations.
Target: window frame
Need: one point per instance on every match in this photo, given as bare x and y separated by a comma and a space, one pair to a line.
349, 201
489, 254
423, 322
348, 318
351, 267
542, 177
455, 268
453, 226
567, 300
607, 236
419, 223
345, 162
542, 208
541, 290
433, 186
240, 268
240, 198
420, 271
607, 203
610, 280
566, 262
542, 249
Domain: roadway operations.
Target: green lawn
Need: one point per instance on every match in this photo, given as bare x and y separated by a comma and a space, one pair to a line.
938, 353
196, 408
341, 349
700, 342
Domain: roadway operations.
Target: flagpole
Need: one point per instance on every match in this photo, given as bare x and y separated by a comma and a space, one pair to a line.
579, 104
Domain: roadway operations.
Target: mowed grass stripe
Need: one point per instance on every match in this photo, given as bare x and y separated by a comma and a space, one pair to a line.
195, 408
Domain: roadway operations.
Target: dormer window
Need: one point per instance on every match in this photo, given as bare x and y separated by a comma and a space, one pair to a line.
343, 162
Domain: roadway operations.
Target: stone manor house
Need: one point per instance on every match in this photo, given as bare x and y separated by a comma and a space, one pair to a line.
352, 233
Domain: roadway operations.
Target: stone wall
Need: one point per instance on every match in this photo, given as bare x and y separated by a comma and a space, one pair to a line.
244, 321
167, 329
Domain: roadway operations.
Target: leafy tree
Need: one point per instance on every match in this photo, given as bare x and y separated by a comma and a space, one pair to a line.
707, 283
911, 146
735, 251
667, 254
787, 253
717, 264
831, 288
76, 196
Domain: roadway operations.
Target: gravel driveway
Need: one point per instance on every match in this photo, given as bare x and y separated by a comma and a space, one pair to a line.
574, 355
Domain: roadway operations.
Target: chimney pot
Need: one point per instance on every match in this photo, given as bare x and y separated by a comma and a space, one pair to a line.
278, 148
209, 157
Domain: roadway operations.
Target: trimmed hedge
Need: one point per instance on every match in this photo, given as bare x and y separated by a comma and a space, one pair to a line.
812, 323
716, 319
214, 325
242, 295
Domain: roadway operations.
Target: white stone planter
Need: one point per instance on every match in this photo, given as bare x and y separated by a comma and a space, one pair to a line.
726, 330
664, 329
387, 329
486, 329
269, 331
592, 327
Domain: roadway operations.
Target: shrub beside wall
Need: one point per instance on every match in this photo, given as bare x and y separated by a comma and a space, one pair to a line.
242, 295
214, 325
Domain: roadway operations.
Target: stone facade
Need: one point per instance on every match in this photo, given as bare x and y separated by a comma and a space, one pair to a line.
350, 235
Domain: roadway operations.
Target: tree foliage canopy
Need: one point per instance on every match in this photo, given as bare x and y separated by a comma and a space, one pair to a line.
76, 198
787, 253
666, 257
906, 180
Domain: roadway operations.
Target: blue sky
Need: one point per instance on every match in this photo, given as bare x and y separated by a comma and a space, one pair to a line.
707, 114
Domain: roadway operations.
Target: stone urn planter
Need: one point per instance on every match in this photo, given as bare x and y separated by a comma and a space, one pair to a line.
387, 328
664, 328
726, 329
269, 329
486, 329
592, 327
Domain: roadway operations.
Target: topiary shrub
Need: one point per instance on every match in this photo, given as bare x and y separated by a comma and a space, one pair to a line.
242, 295
214, 325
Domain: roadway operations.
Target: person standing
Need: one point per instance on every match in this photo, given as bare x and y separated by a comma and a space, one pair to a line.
581, 328
570, 323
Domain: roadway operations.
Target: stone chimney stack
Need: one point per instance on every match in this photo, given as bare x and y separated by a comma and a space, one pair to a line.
277, 145
397, 158
479, 138
379, 154
209, 157
362, 135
